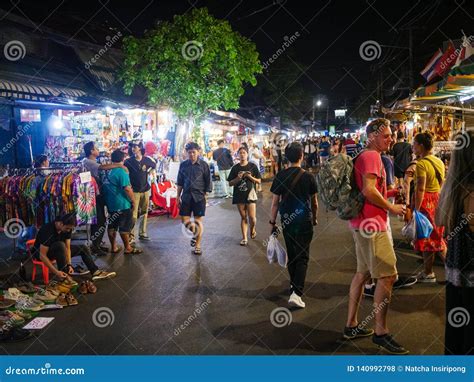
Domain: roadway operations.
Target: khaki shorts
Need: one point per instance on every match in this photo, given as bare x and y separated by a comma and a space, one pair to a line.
375, 254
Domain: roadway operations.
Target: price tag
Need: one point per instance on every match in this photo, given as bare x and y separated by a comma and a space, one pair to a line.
85, 177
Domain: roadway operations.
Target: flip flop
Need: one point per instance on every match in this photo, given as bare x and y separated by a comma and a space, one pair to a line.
135, 251
197, 251
253, 235
119, 249
243, 243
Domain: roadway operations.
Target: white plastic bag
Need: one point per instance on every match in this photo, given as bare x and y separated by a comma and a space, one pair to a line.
276, 252
409, 230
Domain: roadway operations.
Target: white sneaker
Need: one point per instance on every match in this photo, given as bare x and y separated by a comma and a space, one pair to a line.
14, 294
296, 301
422, 277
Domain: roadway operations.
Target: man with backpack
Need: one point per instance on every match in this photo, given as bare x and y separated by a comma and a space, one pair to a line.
375, 255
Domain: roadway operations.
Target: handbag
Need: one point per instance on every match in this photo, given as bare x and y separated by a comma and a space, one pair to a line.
253, 197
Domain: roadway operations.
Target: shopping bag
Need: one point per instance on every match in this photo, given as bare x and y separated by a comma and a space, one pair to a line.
275, 252
409, 230
423, 226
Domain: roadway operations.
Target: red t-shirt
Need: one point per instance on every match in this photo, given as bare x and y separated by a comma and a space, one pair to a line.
372, 217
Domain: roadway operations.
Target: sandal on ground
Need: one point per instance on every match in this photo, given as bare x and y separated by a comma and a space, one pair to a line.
134, 251
253, 235
243, 242
197, 251
119, 249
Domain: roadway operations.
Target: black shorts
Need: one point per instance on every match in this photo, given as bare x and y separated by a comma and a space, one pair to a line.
196, 208
121, 221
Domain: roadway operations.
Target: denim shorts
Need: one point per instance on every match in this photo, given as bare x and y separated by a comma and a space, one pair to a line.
121, 221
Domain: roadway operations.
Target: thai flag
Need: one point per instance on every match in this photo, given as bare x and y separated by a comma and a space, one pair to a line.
429, 71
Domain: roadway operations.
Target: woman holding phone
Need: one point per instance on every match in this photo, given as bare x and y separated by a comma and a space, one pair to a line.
244, 176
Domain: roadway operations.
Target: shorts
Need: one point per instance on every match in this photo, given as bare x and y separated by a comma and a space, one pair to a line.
375, 254
121, 221
196, 208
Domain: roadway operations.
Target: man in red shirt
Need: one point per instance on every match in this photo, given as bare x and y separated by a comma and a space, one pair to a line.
375, 255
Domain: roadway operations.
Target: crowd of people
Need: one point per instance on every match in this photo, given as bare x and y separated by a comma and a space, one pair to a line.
393, 176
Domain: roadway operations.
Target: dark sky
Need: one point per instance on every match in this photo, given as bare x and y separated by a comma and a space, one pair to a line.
331, 32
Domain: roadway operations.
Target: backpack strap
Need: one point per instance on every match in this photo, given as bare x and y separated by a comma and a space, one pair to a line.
439, 178
293, 184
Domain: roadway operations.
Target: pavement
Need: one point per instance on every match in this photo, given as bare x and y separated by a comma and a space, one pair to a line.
231, 300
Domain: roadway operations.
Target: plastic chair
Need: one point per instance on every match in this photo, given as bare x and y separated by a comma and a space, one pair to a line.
38, 263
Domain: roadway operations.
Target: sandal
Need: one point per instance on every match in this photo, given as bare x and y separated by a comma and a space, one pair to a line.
134, 251
253, 235
243, 243
197, 251
118, 250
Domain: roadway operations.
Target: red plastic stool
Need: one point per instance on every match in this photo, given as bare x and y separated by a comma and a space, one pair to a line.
38, 263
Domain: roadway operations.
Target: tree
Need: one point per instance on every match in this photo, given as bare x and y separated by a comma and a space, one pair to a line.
192, 64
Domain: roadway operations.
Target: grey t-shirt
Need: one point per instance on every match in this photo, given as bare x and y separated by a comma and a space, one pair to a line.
92, 166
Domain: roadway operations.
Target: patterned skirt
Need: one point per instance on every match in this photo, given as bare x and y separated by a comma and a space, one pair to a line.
435, 243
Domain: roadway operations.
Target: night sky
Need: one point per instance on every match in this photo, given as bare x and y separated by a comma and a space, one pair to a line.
331, 32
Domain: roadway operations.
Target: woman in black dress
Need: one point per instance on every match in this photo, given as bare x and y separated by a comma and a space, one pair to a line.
243, 177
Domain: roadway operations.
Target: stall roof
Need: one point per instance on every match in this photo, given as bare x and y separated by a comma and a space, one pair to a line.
35, 92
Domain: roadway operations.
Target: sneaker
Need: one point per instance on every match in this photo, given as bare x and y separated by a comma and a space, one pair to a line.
44, 295
404, 281
356, 332
387, 343
6, 303
70, 282
295, 301
13, 294
103, 275
27, 303
422, 277
80, 271
15, 335
61, 300
369, 290
144, 238
83, 288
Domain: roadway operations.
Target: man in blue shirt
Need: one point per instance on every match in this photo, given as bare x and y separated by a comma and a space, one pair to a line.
194, 180
119, 199
324, 147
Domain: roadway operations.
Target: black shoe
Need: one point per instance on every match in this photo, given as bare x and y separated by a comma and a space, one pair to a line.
15, 335
404, 281
387, 343
356, 332
80, 271
369, 291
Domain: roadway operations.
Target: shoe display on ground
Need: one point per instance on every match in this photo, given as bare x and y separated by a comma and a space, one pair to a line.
422, 277
13, 294
356, 332
83, 288
79, 270
91, 288
10, 319
61, 300
103, 275
70, 282
15, 335
26, 287
388, 344
404, 281
295, 301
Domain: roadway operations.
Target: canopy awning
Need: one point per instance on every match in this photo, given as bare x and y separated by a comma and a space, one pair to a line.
34, 92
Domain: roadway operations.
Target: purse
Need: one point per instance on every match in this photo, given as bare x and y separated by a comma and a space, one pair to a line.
253, 197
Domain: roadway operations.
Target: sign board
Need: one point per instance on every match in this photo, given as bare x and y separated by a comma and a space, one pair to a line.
85, 177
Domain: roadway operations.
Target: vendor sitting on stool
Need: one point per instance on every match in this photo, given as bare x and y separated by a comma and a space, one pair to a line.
53, 242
